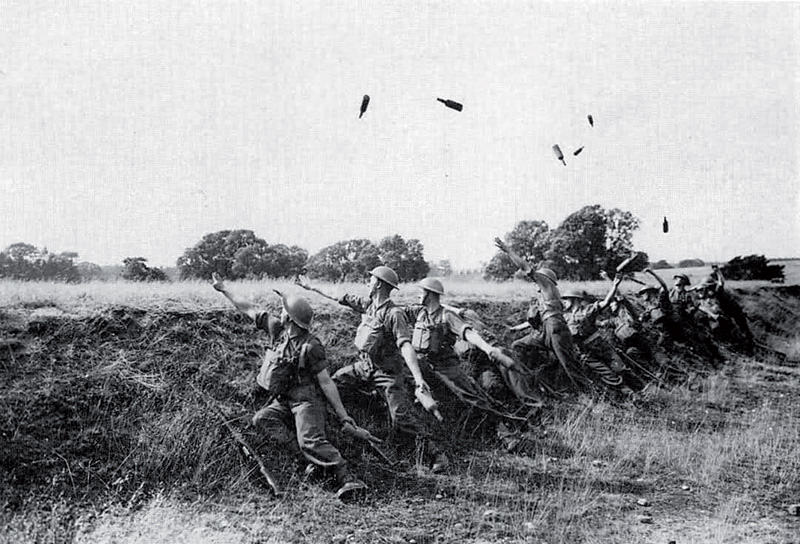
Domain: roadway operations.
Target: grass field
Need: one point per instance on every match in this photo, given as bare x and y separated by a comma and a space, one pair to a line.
105, 442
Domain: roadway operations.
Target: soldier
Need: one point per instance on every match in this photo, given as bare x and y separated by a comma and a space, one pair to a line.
302, 404
681, 297
557, 337
596, 353
676, 325
714, 286
436, 330
384, 340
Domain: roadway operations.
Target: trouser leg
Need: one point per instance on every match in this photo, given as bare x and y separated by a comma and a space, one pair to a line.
309, 419
463, 386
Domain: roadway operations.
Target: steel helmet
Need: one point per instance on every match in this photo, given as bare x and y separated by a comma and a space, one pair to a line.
549, 274
433, 285
647, 289
683, 277
581, 295
386, 274
298, 308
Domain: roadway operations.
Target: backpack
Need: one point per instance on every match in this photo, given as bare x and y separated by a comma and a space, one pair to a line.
279, 373
427, 335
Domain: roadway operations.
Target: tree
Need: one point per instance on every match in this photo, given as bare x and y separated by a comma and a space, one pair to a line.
441, 268
691, 263
27, 262
136, 270
752, 267
349, 260
587, 242
216, 252
89, 271
404, 257
620, 226
660, 265
530, 239
578, 246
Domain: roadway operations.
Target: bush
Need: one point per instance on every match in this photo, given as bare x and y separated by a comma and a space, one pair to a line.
661, 265
691, 263
136, 270
752, 267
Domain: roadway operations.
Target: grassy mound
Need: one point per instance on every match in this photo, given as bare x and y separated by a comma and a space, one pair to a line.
112, 405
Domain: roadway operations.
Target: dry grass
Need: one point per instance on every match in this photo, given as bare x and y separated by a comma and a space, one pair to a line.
715, 456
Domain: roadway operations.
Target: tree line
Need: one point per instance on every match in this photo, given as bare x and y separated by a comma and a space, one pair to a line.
586, 244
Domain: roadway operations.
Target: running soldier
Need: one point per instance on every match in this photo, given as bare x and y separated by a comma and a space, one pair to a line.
300, 402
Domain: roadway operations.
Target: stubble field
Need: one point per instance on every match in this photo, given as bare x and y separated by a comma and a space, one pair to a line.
107, 437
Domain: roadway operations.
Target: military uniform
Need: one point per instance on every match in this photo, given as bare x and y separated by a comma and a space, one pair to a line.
304, 405
557, 336
434, 337
383, 367
596, 353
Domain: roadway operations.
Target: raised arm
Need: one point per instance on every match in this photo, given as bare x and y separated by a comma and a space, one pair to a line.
303, 282
352, 302
243, 306
521, 263
660, 281
611, 292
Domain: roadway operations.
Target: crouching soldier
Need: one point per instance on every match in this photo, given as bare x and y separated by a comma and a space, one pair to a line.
596, 353
384, 341
295, 373
436, 331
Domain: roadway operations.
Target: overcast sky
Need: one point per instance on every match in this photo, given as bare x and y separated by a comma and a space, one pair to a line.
134, 128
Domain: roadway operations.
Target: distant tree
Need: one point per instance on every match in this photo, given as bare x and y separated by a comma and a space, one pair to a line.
404, 257
660, 265
27, 262
530, 239
587, 242
620, 226
441, 268
89, 271
349, 260
216, 252
136, 270
578, 247
752, 267
286, 262
691, 263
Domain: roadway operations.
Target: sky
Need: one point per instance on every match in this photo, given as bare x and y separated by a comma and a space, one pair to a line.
134, 128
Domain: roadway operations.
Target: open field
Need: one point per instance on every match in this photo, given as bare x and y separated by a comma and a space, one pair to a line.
105, 439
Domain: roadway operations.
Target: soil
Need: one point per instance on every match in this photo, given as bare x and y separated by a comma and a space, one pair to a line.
108, 412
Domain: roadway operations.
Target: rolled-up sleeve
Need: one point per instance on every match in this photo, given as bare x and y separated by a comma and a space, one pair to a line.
269, 324
316, 360
355, 302
396, 322
457, 326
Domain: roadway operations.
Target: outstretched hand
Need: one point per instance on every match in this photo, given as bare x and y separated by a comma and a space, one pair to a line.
216, 282
501, 244
302, 281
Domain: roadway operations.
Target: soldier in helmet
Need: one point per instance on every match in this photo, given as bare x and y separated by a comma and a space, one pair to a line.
596, 353
556, 335
437, 328
384, 341
681, 297
302, 406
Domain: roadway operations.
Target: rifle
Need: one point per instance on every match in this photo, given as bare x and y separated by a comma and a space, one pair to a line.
247, 449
